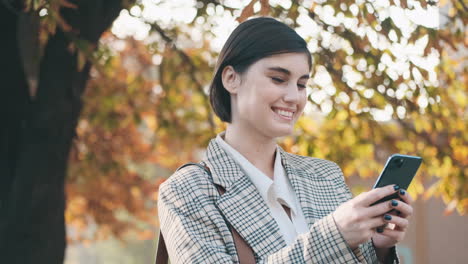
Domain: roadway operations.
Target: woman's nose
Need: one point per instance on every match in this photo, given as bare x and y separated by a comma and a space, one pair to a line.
292, 94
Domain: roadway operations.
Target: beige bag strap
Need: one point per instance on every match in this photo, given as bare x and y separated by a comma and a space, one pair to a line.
244, 251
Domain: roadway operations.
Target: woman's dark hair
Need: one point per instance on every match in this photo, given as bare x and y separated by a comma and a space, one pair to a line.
251, 41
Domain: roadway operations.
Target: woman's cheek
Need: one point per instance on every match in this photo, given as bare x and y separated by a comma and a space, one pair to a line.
302, 104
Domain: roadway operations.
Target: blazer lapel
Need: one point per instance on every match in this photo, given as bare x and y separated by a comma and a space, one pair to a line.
300, 182
242, 205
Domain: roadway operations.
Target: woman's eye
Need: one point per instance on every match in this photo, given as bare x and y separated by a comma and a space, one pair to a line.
278, 80
302, 86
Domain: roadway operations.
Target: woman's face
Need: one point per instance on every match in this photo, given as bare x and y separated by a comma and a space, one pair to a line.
271, 94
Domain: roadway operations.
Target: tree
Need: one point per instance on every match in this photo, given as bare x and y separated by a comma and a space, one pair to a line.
41, 119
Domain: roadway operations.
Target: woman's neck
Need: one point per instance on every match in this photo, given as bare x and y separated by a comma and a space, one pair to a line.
257, 149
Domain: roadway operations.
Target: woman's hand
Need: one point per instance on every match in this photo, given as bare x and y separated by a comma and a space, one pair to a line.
389, 236
357, 220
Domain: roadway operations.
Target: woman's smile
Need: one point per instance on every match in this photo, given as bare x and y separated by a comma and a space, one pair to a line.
284, 113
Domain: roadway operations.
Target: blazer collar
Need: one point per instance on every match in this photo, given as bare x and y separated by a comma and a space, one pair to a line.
253, 222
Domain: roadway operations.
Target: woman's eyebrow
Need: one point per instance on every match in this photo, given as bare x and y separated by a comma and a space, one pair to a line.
286, 71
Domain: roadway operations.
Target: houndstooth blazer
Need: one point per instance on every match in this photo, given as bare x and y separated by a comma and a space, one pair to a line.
193, 216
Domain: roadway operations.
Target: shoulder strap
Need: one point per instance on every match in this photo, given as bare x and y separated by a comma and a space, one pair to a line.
244, 251
162, 256
202, 166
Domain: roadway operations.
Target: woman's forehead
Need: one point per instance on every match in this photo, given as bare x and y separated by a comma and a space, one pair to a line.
288, 63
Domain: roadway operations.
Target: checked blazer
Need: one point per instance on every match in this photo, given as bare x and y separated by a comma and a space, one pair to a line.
194, 217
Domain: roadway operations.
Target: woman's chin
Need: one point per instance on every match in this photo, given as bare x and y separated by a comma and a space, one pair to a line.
282, 131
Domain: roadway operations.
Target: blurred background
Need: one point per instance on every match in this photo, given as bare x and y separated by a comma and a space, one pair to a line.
105, 99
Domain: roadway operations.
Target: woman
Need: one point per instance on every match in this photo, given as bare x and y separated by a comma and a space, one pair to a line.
286, 208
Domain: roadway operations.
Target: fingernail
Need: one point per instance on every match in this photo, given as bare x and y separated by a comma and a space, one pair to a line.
396, 187
402, 192
379, 230
387, 217
398, 212
394, 203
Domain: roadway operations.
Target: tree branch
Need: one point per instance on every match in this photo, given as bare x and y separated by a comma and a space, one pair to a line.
462, 2
192, 70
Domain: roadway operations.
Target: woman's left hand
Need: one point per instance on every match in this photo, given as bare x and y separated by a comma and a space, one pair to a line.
399, 217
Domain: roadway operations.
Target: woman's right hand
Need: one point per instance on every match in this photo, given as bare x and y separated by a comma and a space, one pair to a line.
357, 220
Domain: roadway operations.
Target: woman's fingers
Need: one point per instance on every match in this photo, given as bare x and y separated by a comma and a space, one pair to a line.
383, 221
405, 196
372, 196
376, 222
399, 222
405, 209
382, 208
394, 234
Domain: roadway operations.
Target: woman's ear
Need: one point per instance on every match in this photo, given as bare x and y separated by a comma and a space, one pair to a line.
230, 79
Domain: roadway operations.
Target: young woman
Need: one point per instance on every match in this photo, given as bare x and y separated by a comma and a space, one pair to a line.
285, 208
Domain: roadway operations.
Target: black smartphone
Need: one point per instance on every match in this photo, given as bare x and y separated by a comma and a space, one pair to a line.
399, 169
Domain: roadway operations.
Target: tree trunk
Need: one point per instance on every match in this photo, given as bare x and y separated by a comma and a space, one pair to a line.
39, 134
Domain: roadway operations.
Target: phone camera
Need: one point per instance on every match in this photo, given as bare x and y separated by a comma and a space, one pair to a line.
399, 162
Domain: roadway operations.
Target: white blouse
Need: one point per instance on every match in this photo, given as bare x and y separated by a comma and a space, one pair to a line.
275, 192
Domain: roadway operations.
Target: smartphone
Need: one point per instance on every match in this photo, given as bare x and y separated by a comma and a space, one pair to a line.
399, 169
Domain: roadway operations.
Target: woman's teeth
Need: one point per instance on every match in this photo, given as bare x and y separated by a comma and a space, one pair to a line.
284, 113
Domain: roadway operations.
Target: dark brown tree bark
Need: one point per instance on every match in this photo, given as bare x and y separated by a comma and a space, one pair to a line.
39, 130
